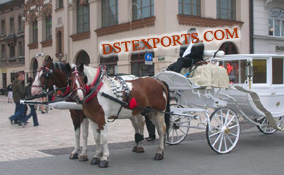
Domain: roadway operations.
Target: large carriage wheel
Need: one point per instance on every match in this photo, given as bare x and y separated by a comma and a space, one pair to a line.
179, 128
223, 130
265, 128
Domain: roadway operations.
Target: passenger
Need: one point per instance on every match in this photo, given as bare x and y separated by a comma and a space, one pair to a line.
189, 54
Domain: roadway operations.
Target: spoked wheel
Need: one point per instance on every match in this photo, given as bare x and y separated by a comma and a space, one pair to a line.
265, 128
223, 130
178, 130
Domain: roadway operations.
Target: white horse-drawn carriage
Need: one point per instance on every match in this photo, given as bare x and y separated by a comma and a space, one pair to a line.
255, 92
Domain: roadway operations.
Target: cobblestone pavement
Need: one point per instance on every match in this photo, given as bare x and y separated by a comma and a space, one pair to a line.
55, 135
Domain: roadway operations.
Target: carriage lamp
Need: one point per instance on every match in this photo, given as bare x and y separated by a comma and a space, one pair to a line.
249, 72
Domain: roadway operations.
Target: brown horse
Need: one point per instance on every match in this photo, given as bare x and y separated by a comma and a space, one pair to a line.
101, 102
53, 73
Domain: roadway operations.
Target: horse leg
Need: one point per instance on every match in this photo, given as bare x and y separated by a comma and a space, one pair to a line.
105, 153
96, 159
85, 129
74, 154
138, 123
159, 121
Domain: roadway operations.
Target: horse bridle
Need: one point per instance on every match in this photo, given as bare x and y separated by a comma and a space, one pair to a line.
73, 88
47, 72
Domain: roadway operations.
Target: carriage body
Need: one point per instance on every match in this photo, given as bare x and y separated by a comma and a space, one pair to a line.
267, 81
256, 92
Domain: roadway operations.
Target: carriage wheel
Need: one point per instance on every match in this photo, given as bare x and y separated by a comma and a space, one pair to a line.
223, 130
178, 130
265, 128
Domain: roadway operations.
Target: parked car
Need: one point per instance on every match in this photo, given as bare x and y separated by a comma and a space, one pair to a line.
2, 91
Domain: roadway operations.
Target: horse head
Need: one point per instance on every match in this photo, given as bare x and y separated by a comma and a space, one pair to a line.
44, 74
77, 82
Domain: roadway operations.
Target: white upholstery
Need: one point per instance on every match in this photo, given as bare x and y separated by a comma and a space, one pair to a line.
210, 53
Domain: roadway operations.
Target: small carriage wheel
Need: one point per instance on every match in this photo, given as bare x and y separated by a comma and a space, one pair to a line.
179, 128
223, 130
265, 128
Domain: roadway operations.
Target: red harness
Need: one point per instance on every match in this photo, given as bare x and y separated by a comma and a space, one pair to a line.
98, 81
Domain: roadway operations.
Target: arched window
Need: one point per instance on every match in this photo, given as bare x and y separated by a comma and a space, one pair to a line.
59, 43
229, 48
138, 66
83, 20
83, 57
110, 61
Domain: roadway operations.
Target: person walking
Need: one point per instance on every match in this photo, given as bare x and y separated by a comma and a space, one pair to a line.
10, 93
28, 94
18, 94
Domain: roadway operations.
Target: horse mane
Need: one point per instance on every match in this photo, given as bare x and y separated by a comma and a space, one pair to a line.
90, 73
59, 66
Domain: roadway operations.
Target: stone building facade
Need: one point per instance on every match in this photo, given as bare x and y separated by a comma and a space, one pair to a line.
12, 40
72, 31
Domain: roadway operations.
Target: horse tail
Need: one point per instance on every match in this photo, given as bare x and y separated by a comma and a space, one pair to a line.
168, 110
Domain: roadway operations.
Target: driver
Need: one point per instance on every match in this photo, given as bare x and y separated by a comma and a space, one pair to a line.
189, 54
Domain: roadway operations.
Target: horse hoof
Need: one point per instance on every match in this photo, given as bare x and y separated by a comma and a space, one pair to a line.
140, 150
83, 158
95, 161
134, 149
159, 156
103, 164
74, 156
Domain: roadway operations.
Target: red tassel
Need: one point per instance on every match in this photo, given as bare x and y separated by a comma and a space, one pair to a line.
132, 103
53, 97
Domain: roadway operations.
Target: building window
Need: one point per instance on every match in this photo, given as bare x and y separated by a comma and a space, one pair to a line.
21, 49
12, 51
4, 80
13, 76
3, 27
109, 12
138, 66
142, 9
82, 17
11, 25
226, 9
109, 61
34, 32
60, 43
59, 4
276, 22
48, 30
189, 7
3, 51
277, 70
20, 24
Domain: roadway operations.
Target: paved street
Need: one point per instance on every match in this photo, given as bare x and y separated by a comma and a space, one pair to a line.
45, 149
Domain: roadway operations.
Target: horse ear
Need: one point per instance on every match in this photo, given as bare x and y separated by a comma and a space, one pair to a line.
81, 67
68, 67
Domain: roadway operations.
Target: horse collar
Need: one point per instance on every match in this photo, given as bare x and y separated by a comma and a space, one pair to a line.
96, 85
